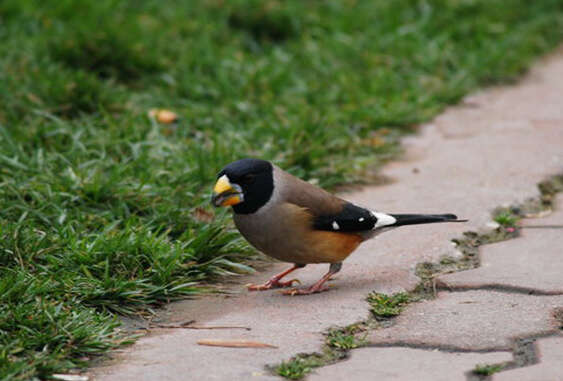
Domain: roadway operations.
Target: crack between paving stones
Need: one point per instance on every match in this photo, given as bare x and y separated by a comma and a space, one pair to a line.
524, 354
500, 288
434, 347
524, 351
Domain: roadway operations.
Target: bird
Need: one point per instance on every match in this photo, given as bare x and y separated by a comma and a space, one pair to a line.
295, 221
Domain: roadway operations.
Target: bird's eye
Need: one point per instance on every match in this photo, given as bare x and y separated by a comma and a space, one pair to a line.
249, 178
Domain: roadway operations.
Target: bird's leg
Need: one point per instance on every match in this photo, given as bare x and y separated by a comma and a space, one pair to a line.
274, 282
317, 287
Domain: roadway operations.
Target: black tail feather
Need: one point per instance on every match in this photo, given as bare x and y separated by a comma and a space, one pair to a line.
414, 219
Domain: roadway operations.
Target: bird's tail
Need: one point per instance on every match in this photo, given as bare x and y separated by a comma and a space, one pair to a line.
414, 219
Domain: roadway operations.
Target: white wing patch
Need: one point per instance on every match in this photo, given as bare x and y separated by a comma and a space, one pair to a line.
335, 225
383, 220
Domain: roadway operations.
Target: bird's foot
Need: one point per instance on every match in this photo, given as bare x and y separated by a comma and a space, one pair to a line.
306, 291
272, 283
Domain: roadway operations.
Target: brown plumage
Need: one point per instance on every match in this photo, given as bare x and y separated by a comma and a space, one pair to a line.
294, 221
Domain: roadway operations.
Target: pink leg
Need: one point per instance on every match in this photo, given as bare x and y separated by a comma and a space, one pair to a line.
274, 282
318, 286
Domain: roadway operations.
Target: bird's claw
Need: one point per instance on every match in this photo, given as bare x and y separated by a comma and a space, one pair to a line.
271, 284
305, 291
257, 287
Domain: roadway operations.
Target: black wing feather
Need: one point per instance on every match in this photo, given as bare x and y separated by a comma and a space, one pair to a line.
352, 218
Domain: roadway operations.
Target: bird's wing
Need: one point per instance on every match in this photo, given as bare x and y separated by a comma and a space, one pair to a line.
329, 213
351, 218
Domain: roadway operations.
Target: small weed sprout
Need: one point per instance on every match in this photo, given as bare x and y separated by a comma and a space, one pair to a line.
298, 367
384, 306
506, 219
487, 369
344, 339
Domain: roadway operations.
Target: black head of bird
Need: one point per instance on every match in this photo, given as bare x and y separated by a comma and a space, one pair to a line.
246, 185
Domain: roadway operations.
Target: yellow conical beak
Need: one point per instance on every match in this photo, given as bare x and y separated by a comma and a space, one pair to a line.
225, 193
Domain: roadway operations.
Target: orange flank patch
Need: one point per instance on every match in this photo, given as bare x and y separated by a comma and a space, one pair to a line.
335, 247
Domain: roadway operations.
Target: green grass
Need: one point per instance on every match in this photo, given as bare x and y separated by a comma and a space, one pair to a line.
487, 370
103, 210
506, 219
338, 343
384, 306
298, 367
345, 338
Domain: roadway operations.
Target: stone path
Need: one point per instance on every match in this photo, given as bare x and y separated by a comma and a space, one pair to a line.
516, 264
407, 364
474, 320
490, 150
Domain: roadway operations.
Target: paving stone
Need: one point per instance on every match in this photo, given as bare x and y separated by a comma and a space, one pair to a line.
468, 161
406, 364
533, 261
550, 367
472, 320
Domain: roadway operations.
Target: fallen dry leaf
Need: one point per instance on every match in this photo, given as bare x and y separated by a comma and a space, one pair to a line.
203, 215
375, 141
163, 116
35, 99
234, 343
